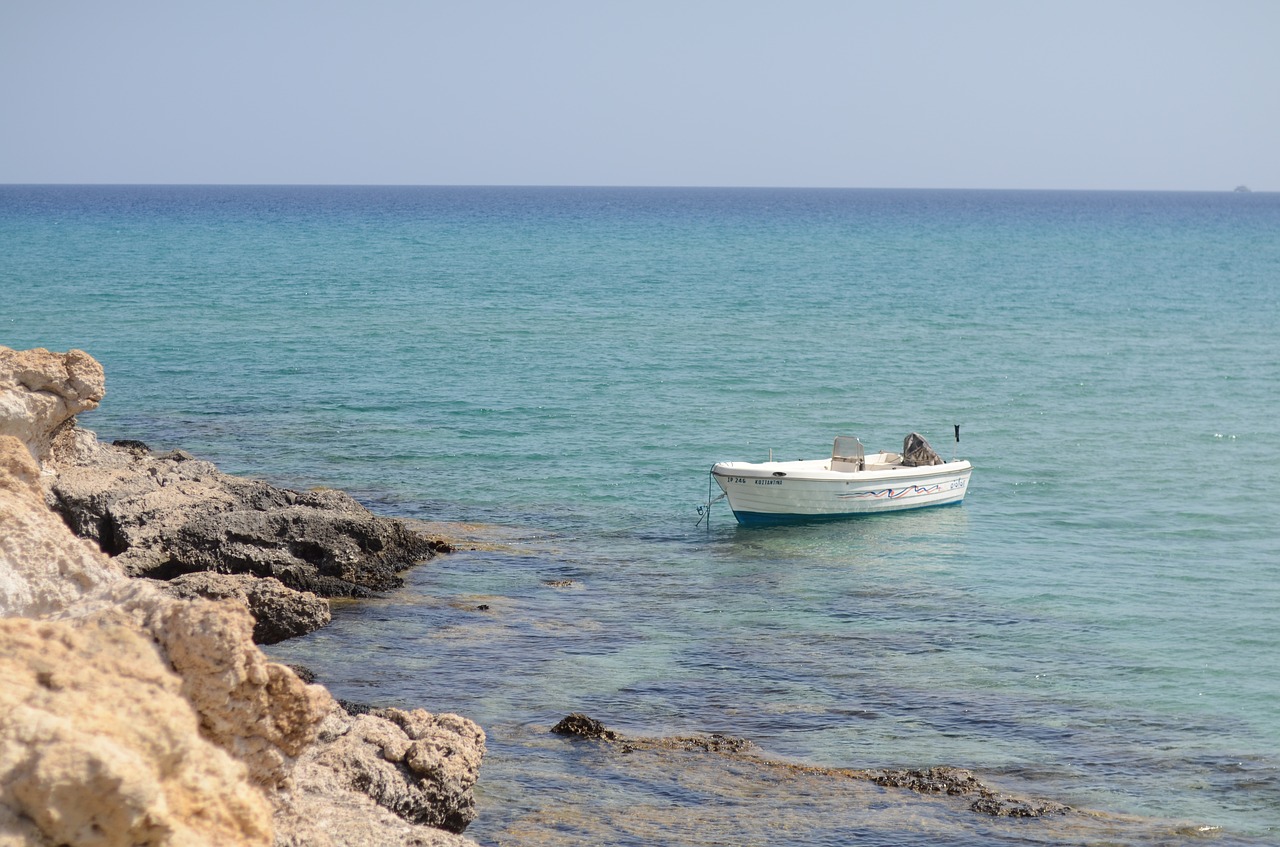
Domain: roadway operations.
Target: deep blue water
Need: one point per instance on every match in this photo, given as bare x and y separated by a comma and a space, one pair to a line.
1096, 624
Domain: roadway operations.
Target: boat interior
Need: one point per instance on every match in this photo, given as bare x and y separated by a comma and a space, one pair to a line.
849, 456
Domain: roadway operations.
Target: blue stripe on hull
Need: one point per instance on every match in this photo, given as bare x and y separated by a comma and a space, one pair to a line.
780, 518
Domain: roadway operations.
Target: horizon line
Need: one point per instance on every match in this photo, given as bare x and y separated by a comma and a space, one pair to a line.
1239, 189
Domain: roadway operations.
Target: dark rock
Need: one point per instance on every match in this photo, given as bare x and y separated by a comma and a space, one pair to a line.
352, 708
584, 727
955, 782
166, 515
942, 780
303, 673
178, 456
714, 743
1000, 806
958, 782
279, 612
135, 447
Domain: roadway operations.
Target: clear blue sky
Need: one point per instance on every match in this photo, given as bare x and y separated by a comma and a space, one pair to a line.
1093, 94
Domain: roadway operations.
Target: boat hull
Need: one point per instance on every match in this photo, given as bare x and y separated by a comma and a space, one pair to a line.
797, 492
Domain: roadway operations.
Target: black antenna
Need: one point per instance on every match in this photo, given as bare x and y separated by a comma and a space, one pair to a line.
953, 448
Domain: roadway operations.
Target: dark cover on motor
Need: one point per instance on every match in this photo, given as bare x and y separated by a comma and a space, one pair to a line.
916, 452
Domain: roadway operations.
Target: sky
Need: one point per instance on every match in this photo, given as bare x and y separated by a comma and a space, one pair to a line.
1024, 94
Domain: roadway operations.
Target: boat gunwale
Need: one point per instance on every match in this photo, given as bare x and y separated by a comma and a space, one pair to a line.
767, 470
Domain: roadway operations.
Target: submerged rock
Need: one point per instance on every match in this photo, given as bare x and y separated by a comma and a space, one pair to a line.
960, 782
583, 727
954, 782
941, 780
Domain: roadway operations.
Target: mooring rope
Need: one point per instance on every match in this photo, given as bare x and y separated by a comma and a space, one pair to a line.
704, 512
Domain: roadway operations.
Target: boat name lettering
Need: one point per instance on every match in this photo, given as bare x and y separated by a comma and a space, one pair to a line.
768, 482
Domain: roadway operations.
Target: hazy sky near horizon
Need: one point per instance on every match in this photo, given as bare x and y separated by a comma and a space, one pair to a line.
1086, 94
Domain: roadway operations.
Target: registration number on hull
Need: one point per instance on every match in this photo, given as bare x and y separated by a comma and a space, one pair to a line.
743, 480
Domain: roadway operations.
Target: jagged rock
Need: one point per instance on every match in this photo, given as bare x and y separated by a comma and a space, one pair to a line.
128, 716
259, 711
1002, 806
98, 745
584, 727
940, 780
420, 766
165, 515
960, 782
279, 613
41, 392
321, 810
43, 568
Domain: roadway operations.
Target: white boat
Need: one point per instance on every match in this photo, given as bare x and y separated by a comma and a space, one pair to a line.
850, 483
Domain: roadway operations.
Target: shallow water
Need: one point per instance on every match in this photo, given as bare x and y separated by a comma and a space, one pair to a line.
1094, 625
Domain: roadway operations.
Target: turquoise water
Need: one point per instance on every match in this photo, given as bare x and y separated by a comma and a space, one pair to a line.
1096, 623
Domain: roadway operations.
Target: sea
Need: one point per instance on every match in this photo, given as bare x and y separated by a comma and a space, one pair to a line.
548, 375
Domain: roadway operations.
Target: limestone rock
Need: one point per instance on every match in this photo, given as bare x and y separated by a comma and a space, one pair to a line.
279, 613
259, 711
87, 760
129, 716
420, 766
40, 392
43, 568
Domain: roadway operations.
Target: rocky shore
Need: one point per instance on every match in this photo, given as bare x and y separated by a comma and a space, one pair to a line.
137, 708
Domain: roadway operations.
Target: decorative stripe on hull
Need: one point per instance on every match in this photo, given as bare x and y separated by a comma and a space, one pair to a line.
800, 492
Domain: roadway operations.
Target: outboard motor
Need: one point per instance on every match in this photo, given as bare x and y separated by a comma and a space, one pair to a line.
916, 452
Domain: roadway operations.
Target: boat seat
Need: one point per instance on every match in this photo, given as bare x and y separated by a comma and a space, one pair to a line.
847, 455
